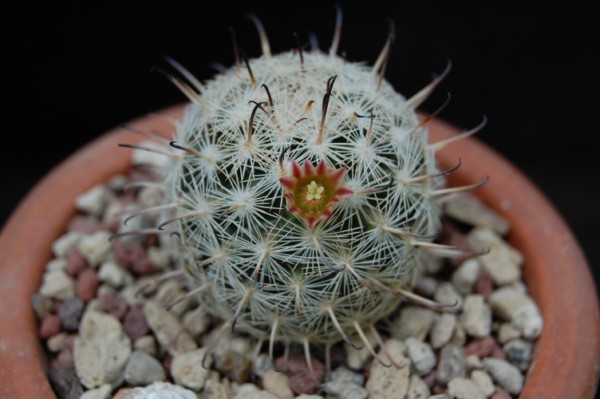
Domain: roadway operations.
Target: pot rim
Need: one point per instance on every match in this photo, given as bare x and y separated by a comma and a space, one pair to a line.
566, 360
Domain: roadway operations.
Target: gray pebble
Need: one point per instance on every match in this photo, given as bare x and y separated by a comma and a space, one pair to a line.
342, 374
346, 390
101, 350
484, 381
417, 389
157, 390
442, 330
451, 365
505, 374
462, 388
503, 262
510, 304
187, 369
143, 369
70, 312
412, 322
476, 317
518, 352
421, 355
167, 329
277, 383
42, 305
465, 276
65, 383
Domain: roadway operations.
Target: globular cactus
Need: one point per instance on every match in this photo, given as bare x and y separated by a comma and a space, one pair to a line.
308, 192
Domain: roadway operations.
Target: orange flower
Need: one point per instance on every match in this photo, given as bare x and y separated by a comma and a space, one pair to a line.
312, 193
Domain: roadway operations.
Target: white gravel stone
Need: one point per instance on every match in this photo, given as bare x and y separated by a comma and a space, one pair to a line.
396, 350
142, 157
158, 390
246, 388
507, 331
459, 337
261, 364
147, 344
196, 321
421, 355
167, 329
462, 388
476, 317
112, 273
473, 362
187, 369
511, 304
465, 276
505, 374
417, 389
94, 200
216, 390
448, 295
389, 382
58, 285
440, 396
160, 257
304, 396
56, 264
255, 395
101, 350
484, 381
95, 247
169, 292
57, 342
99, 393
277, 383
426, 286
149, 197
468, 209
412, 322
356, 358
503, 262
62, 246
442, 330
143, 369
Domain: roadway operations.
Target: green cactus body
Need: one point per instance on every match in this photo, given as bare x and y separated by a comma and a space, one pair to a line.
307, 192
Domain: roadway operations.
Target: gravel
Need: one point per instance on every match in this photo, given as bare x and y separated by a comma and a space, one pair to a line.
103, 317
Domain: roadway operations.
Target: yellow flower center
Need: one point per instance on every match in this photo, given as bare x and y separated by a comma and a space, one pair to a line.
314, 191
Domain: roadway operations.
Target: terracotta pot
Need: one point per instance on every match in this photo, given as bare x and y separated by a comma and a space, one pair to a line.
567, 355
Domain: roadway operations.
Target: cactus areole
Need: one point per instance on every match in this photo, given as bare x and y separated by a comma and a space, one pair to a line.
306, 191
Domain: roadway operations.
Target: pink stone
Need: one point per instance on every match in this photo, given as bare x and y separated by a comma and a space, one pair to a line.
87, 284
75, 262
85, 225
50, 326
484, 285
135, 324
301, 380
481, 347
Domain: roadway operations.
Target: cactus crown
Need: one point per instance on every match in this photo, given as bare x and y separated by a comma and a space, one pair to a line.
307, 191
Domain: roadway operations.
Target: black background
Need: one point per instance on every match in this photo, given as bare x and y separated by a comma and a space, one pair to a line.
71, 75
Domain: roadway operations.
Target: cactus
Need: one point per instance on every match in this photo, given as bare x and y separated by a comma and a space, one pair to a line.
308, 192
